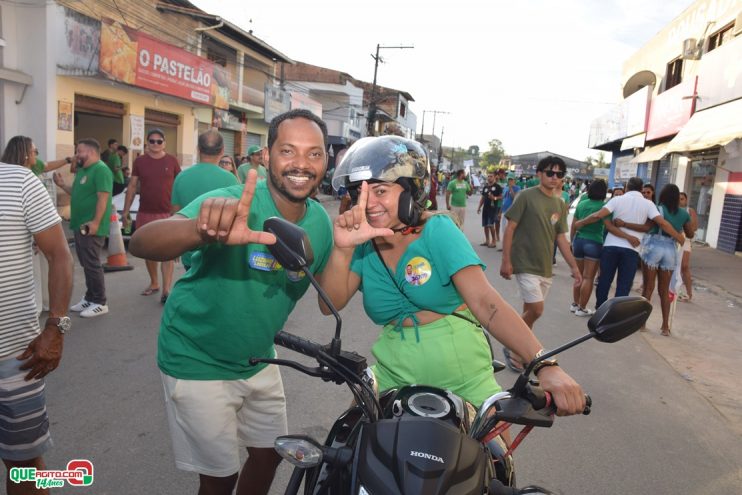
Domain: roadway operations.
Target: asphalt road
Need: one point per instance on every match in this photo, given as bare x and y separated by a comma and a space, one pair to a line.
650, 432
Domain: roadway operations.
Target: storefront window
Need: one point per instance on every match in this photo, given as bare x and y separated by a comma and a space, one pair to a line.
703, 172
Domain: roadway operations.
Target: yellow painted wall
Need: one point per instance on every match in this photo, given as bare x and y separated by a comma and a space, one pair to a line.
135, 102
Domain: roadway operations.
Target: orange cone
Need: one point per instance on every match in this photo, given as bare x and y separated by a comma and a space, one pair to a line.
117, 260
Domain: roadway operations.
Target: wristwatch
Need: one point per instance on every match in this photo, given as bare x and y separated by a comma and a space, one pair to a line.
63, 323
544, 363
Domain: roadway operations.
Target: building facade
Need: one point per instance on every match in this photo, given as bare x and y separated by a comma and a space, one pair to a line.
679, 121
92, 69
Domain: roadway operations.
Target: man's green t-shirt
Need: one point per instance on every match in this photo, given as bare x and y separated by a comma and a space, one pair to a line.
540, 217
459, 191
195, 181
114, 163
243, 169
38, 167
89, 181
229, 306
594, 231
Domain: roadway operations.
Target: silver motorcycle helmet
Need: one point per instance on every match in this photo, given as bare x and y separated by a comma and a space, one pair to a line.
388, 159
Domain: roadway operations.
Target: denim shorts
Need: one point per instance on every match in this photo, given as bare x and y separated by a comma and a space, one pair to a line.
586, 249
659, 252
489, 216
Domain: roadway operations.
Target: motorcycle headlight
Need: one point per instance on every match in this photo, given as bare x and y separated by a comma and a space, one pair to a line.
299, 450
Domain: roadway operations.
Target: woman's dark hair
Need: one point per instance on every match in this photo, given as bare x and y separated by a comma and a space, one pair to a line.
670, 198
597, 190
17, 150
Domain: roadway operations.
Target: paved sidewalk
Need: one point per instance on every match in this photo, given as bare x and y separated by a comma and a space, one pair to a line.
705, 347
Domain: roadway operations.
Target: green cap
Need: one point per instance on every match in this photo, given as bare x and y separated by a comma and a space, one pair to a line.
253, 149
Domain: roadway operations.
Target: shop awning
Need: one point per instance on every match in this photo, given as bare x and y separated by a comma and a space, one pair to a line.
652, 153
716, 126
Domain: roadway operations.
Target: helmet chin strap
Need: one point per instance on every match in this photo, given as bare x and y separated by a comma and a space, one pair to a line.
406, 230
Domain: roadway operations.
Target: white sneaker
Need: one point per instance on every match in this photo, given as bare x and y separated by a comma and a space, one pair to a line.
584, 312
94, 309
573, 307
82, 305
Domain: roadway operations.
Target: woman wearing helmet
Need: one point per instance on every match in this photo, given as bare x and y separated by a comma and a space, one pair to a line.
422, 281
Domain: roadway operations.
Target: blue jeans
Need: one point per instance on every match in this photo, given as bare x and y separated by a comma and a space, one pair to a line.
611, 259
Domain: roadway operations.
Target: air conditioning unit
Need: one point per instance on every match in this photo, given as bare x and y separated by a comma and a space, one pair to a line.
691, 50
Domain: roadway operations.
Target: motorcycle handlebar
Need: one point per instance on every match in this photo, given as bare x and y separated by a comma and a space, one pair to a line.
298, 344
552, 406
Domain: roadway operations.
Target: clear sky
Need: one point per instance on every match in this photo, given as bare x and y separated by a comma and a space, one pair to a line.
532, 73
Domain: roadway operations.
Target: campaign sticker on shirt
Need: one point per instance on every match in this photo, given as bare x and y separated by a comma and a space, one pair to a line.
264, 262
418, 271
555, 218
84, 179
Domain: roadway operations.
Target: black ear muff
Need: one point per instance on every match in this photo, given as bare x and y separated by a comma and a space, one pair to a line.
408, 211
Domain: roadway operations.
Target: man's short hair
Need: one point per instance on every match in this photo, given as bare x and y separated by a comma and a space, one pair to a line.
123, 149
549, 162
634, 184
112, 141
295, 114
210, 143
90, 142
460, 172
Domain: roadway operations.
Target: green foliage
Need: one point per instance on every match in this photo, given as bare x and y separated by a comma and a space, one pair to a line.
493, 155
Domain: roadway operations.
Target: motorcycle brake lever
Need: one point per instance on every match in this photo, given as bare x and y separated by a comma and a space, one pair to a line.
317, 372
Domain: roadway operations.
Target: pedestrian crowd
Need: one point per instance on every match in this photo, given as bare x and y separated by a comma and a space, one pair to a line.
420, 278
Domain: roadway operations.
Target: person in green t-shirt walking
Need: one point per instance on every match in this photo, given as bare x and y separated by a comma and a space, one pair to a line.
255, 157
204, 176
230, 305
587, 244
537, 218
456, 193
90, 215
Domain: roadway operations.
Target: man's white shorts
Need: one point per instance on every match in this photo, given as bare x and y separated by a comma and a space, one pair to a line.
532, 288
460, 212
210, 420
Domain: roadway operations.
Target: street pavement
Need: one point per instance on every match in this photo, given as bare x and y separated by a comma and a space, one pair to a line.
652, 429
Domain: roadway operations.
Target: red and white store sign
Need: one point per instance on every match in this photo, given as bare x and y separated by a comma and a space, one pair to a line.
141, 60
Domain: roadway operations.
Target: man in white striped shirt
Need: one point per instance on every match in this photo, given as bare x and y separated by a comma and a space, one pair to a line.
28, 352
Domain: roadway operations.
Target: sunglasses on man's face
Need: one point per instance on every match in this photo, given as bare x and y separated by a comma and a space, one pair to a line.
552, 173
156, 141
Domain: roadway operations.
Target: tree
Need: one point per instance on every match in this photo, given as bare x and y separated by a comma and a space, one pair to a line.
492, 157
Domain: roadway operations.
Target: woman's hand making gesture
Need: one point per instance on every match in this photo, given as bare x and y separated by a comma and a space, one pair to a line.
351, 228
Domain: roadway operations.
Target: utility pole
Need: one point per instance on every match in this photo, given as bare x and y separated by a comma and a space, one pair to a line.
440, 148
372, 99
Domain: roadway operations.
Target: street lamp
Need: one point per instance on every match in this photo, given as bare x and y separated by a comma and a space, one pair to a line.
372, 100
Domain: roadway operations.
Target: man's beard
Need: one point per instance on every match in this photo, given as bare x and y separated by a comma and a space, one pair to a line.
278, 185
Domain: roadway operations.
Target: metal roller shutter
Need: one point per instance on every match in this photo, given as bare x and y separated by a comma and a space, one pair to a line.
228, 137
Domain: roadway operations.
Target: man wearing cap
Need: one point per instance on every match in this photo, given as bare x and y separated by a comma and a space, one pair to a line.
156, 170
255, 155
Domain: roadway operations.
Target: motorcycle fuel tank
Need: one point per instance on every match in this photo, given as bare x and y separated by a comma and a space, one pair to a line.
418, 455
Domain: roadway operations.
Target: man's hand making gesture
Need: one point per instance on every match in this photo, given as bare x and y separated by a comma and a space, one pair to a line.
225, 219
352, 228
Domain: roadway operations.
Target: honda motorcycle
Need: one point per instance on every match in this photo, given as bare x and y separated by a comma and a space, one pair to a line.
417, 440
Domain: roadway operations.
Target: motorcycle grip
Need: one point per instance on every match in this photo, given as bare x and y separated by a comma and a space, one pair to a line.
588, 403
298, 344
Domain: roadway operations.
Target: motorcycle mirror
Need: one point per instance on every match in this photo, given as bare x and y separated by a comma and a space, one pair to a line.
301, 451
292, 248
619, 317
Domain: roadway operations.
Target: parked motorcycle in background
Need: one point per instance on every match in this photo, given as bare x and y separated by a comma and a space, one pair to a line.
417, 440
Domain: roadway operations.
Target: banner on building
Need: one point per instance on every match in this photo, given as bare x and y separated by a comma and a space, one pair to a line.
137, 132
625, 170
135, 58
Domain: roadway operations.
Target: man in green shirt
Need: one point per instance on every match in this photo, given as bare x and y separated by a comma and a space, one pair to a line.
229, 306
536, 220
456, 193
90, 214
204, 176
255, 155
113, 160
